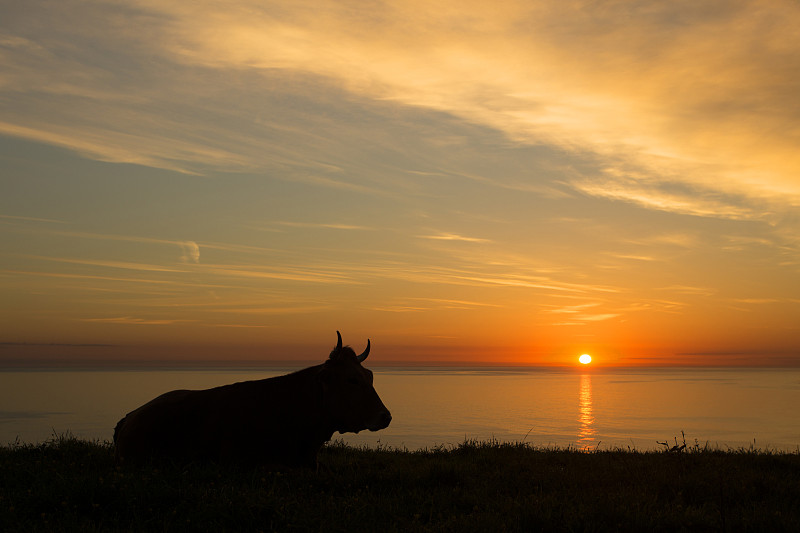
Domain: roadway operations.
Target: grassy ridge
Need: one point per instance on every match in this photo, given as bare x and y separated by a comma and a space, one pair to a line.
73, 485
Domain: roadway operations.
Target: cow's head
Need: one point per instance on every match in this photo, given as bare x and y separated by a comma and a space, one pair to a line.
349, 397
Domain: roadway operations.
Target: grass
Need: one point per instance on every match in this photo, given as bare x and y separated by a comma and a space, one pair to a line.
68, 484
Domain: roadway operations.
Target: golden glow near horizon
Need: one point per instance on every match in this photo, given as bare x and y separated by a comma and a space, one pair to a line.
585, 359
186, 179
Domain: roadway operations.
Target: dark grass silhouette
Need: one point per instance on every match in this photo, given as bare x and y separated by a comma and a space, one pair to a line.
73, 485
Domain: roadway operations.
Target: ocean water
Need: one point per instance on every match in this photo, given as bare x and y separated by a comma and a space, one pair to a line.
627, 408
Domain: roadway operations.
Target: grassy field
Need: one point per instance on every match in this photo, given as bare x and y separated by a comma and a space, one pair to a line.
73, 485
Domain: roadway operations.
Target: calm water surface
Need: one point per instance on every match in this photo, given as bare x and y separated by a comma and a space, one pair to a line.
620, 408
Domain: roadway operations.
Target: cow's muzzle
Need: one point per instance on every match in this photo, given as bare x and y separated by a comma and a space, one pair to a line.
383, 420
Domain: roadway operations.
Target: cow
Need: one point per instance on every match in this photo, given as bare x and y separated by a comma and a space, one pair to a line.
281, 421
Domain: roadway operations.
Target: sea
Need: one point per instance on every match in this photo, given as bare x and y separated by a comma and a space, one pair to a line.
432, 407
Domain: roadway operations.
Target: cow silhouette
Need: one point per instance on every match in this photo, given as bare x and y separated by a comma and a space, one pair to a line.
280, 421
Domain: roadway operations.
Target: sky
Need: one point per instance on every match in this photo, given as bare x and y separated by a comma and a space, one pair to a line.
458, 181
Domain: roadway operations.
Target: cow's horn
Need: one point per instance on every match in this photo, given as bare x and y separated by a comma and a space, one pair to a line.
365, 354
339, 343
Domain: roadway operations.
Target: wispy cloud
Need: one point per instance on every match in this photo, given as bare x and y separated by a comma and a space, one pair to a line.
12, 218
191, 252
703, 205
120, 280
277, 310
126, 265
634, 257
533, 283
688, 289
288, 273
519, 70
538, 83
325, 226
571, 309
243, 326
400, 308
431, 304
456, 304
452, 237
683, 240
579, 314
58, 344
658, 305
138, 321
596, 318
756, 301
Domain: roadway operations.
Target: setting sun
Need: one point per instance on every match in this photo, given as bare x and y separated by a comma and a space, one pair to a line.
585, 359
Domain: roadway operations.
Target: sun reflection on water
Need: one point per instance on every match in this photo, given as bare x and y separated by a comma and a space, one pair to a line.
586, 430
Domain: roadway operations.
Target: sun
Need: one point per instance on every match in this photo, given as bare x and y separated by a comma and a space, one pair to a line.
585, 359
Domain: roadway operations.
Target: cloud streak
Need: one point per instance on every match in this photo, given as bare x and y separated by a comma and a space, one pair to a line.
325, 226
716, 117
452, 237
17, 219
521, 70
136, 321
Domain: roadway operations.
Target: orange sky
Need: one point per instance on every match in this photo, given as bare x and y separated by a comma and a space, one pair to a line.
509, 183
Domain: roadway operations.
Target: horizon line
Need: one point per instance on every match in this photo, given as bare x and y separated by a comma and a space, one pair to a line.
201, 364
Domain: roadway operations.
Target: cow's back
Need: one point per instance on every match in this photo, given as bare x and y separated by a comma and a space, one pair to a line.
161, 427
273, 420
